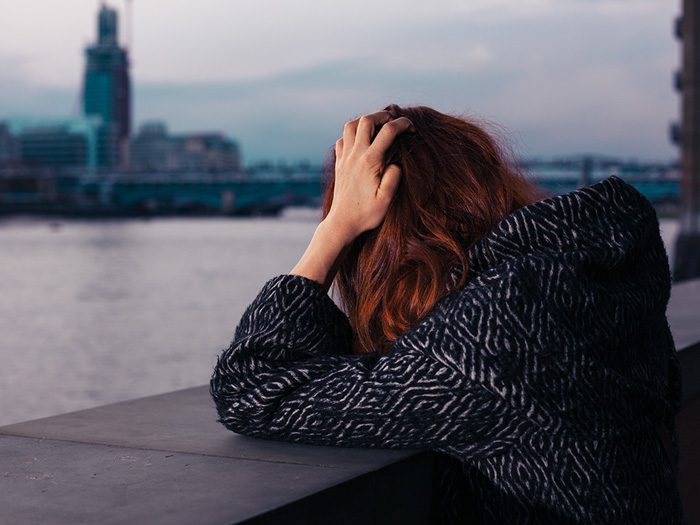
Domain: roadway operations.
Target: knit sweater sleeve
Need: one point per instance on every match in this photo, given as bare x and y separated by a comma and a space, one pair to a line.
289, 375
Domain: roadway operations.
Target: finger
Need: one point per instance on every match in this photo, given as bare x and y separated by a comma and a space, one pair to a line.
389, 183
387, 135
338, 149
367, 125
349, 130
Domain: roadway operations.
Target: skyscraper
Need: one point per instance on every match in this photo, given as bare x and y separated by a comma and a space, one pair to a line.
107, 91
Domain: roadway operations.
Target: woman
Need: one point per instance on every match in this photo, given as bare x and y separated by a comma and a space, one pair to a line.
521, 337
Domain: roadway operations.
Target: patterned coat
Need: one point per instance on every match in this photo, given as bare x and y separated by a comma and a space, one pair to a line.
538, 384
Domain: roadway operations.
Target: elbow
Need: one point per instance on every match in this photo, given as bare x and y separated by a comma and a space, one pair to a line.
228, 411
244, 402
226, 397
233, 410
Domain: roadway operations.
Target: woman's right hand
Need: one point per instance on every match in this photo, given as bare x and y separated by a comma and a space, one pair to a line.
363, 191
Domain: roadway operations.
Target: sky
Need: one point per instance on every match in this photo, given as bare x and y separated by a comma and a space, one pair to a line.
555, 77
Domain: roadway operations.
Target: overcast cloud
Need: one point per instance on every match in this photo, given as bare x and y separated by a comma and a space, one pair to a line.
562, 76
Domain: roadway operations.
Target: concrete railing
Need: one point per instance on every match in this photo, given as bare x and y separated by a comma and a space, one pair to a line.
164, 459
684, 319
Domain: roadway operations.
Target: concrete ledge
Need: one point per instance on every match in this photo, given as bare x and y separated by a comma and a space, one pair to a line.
185, 421
53, 481
684, 319
165, 459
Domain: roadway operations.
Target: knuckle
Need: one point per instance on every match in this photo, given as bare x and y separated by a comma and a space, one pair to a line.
365, 119
369, 157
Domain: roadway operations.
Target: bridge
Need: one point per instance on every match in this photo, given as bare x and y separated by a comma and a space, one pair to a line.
115, 194
263, 191
225, 196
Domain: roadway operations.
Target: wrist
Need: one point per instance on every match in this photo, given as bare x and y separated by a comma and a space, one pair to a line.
339, 230
324, 253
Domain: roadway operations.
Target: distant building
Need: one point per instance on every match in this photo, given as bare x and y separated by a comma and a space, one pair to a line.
153, 149
208, 152
100, 140
9, 146
107, 91
54, 143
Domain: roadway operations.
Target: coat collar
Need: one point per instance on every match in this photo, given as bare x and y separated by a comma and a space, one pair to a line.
606, 218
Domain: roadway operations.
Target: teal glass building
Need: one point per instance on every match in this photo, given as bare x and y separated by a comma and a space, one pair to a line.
107, 91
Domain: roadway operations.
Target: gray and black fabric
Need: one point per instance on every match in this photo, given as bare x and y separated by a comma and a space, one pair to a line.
543, 378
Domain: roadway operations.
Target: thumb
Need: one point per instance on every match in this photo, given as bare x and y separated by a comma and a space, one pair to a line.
389, 182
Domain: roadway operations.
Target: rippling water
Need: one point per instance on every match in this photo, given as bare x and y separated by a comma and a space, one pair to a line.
93, 312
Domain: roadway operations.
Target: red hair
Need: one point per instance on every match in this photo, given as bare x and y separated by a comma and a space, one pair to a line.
456, 184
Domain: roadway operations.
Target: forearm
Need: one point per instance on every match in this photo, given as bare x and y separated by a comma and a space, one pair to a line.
325, 251
289, 374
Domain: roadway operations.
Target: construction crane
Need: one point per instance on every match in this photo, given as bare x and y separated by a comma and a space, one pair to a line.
128, 26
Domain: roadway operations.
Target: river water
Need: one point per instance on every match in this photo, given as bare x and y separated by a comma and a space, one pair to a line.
94, 312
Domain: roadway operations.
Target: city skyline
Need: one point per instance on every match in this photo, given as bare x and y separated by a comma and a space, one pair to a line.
555, 85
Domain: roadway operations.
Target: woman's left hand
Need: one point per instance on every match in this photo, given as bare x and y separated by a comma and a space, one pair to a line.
362, 190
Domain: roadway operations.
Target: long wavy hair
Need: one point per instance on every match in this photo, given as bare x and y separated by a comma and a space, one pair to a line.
457, 182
